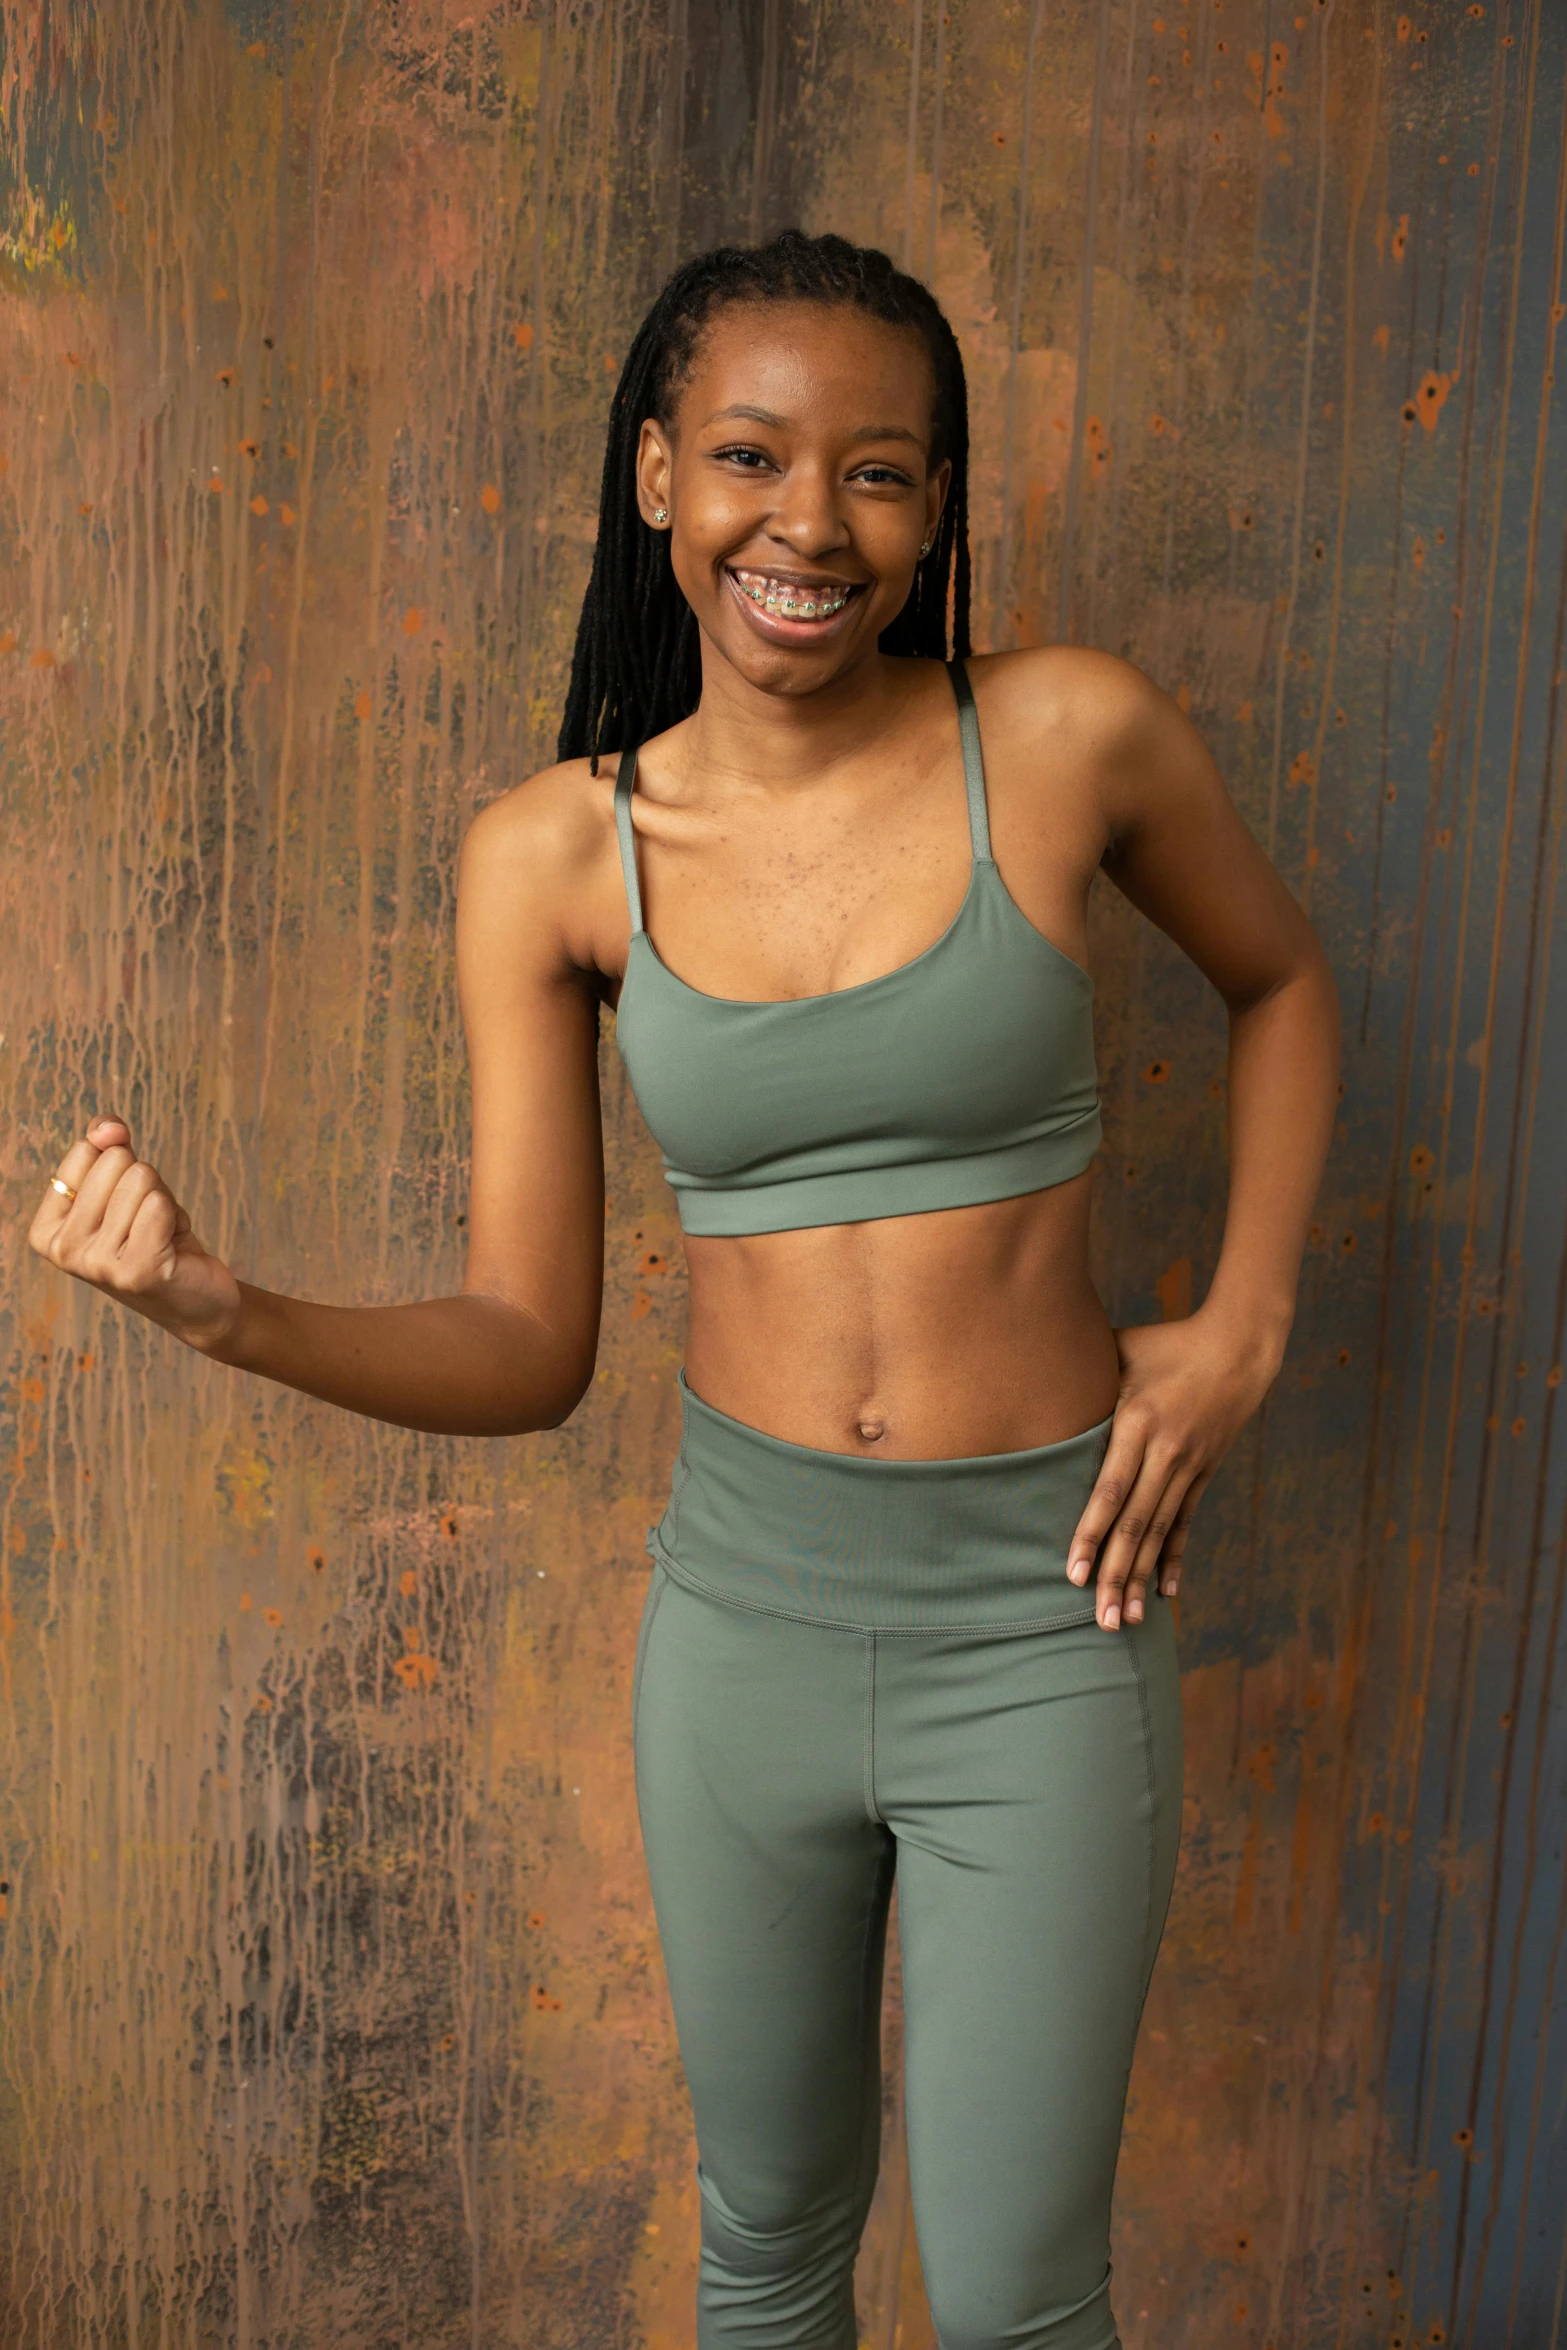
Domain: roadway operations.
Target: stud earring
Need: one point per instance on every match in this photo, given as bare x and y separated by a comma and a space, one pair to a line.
661, 514
926, 548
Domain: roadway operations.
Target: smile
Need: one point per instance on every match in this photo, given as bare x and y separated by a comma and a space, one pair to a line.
793, 599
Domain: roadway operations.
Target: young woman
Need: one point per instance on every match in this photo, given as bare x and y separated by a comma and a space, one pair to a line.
907, 1613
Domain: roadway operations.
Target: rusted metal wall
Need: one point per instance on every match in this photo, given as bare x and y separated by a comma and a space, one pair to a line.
332, 2005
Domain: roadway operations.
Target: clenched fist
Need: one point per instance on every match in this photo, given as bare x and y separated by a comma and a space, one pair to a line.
111, 1220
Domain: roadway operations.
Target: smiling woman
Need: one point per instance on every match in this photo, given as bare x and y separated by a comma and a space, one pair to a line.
921, 1478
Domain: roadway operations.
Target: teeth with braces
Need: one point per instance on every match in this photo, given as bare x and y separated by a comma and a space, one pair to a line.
796, 607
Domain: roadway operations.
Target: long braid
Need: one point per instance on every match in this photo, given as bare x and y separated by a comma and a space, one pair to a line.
636, 668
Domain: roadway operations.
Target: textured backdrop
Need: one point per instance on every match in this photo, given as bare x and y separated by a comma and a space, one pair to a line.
332, 2009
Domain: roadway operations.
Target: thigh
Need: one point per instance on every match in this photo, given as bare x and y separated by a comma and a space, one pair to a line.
770, 1883
1034, 1785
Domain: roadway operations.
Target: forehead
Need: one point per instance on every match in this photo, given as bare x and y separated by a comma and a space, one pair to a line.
828, 367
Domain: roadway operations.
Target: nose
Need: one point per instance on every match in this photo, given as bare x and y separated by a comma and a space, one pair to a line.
806, 518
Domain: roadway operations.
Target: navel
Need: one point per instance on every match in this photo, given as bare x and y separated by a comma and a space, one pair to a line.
871, 1431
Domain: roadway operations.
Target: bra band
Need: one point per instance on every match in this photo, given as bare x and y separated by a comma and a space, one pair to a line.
973, 763
973, 784
628, 839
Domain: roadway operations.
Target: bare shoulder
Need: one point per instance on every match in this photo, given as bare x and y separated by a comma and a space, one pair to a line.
1099, 699
536, 862
1123, 737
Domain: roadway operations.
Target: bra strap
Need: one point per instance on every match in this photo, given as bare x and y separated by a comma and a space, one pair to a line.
625, 782
973, 763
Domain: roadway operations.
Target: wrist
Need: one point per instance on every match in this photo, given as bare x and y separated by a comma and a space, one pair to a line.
230, 1337
1256, 1331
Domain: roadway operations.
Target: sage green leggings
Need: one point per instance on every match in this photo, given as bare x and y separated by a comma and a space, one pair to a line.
852, 1671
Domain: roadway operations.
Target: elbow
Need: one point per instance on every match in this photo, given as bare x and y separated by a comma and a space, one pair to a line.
563, 1389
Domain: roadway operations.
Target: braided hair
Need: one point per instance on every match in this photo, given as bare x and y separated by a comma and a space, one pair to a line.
637, 665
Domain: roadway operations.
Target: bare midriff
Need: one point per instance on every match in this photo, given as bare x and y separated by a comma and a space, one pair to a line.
928, 1337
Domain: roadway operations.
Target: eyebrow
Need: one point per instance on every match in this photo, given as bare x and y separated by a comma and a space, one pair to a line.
864, 432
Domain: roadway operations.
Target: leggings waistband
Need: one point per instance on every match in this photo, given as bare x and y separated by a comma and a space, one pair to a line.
978, 1543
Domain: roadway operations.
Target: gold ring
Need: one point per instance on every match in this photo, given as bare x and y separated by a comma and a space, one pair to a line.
57, 1183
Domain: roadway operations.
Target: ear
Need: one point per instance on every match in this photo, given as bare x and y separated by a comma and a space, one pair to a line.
655, 470
936, 488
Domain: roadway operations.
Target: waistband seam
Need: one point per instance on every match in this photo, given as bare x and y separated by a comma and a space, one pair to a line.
757, 1607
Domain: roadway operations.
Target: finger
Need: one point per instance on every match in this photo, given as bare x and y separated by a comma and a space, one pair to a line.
145, 1251
1161, 1525
96, 1189
62, 1221
120, 1210
1119, 1552
1117, 1475
1175, 1542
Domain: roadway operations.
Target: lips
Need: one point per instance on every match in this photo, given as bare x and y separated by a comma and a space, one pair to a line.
793, 599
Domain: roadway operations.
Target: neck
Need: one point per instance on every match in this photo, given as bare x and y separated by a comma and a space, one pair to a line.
741, 730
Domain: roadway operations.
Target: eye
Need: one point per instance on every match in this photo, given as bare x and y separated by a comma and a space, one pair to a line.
880, 476
743, 454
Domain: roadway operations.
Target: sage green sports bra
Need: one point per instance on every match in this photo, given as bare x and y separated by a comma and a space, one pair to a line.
966, 1075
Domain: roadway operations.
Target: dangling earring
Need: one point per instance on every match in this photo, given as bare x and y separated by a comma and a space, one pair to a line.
661, 514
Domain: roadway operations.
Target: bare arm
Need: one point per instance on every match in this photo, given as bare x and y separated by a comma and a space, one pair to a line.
1181, 853
514, 1349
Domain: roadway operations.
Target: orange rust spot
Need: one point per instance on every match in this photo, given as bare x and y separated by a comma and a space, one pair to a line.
413, 620
536, 1918
416, 1672
1156, 1072
8, 640
85, 507
653, 1262
408, 1582
245, 1603
413, 1638
273, 1616
317, 1560
1302, 768
1173, 1289
263, 1704
250, 448
32, 1391
225, 375
641, 1305
1431, 396
361, 705
490, 498
287, 513
215, 486
43, 658
450, 1528
524, 336
258, 504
